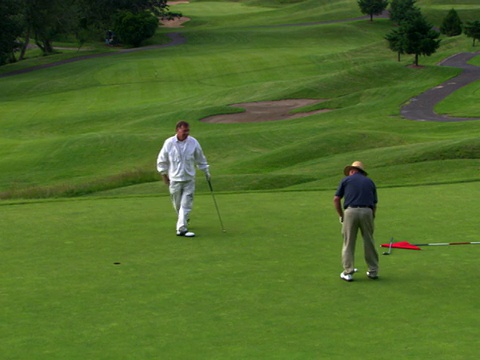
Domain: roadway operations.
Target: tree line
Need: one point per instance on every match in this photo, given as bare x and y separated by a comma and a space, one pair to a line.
133, 21
414, 35
43, 21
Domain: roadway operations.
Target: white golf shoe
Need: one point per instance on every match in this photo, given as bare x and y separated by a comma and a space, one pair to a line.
185, 233
348, 277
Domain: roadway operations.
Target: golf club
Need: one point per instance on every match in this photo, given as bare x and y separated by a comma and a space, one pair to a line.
215, 202
389, 248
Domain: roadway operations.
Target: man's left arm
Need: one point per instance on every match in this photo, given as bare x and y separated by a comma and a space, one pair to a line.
337, 202
201, 161
375, 200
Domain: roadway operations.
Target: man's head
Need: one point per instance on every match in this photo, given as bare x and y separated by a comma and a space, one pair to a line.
356, 166
183, 130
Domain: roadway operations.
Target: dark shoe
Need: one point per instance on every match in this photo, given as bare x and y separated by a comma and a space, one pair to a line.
372, 275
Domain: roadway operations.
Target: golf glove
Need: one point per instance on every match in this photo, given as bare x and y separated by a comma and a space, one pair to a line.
207, 175
340, 219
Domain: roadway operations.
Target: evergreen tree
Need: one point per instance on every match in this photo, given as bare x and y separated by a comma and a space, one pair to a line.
472, 29
419, 37
372, 7
401, 10
414, 36
396, 41
451, 25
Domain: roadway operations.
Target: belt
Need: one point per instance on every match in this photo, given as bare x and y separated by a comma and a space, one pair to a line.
358, 206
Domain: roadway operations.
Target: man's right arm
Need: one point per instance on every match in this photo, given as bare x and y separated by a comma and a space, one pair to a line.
163, 163
166, 179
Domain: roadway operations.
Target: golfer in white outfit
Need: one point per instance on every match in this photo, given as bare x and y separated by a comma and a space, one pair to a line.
176, 163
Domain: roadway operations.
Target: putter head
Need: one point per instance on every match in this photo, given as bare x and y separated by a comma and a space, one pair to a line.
386, 253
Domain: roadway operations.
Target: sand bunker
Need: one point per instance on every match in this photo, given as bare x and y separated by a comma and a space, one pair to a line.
177, 22
266, 111
174, 23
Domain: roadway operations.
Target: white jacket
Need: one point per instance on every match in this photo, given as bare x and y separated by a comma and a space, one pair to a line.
178, 159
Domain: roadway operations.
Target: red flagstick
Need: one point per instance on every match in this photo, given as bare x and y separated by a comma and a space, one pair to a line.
407, 245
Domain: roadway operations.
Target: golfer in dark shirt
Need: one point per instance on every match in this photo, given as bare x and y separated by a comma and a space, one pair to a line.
359, 196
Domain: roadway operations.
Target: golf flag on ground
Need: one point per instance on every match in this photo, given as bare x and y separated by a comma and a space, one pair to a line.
402, 245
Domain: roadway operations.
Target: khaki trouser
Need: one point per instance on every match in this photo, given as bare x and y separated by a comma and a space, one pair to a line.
353, 220
181, 193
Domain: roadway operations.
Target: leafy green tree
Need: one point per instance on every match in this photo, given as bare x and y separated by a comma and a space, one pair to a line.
133, 29
472, 29
97, 16
451, 25
46, 19
105, 11
11, 27
401, 10
372, 7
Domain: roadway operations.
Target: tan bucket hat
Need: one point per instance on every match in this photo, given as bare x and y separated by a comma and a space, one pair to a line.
355, 165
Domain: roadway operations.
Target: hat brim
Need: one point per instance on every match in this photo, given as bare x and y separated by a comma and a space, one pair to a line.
347, 169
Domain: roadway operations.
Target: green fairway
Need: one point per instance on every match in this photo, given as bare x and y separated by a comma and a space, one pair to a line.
97, 124
91, 266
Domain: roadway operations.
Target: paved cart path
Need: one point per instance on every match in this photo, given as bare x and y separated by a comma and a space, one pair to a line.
421, 107
175, 39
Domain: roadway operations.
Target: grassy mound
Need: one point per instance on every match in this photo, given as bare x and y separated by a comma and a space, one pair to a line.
98, 124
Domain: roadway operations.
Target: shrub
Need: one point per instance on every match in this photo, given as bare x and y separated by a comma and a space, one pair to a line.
133, 29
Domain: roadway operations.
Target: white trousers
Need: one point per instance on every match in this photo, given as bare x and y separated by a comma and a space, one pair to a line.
181, 193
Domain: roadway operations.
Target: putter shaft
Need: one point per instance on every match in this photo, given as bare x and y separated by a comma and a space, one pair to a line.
389, 247
216, 205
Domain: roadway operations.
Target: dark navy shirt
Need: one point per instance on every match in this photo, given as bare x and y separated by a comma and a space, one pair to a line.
357, 190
